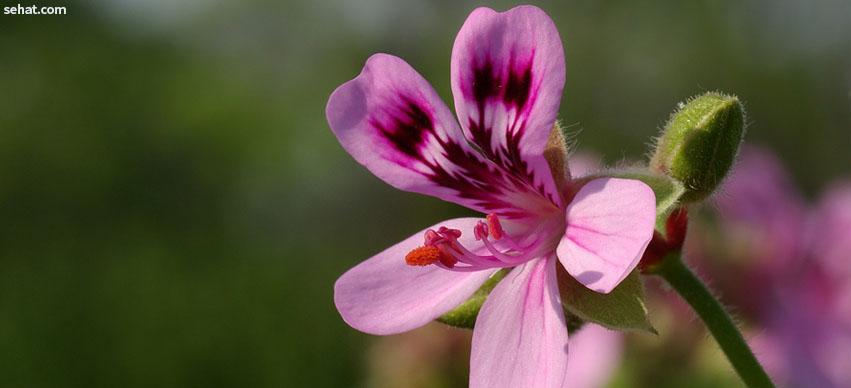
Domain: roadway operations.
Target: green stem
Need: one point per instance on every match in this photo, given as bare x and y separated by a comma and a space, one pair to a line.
719, 323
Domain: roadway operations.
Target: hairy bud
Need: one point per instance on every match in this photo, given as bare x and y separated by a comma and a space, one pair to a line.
700, 142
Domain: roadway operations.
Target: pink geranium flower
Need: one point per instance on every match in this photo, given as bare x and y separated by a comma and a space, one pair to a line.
507, 78
798, 276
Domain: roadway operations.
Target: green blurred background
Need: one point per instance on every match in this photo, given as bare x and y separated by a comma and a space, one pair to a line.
175, 209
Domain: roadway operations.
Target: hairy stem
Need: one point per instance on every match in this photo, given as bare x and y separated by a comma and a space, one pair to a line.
716, 319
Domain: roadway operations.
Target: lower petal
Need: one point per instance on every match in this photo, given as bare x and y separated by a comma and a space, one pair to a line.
383, 295
520, 338
609, 224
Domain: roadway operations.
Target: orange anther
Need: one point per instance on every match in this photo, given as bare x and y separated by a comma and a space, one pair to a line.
423, 256
494, 227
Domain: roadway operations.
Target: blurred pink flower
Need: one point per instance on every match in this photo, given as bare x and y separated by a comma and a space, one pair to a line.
830, 231
595, 354
802, 261
761, 198
507, 78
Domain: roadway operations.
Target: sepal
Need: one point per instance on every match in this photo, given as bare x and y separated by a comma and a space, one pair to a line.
622, 309
464, 316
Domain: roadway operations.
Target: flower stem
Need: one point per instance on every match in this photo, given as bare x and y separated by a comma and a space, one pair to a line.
719, 323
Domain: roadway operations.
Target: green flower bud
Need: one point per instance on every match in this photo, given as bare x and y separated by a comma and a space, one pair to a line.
700, 142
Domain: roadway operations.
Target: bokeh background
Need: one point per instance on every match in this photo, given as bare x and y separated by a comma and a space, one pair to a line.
174, 209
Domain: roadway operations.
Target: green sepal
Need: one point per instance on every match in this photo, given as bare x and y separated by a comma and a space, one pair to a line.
464, 316
622, 309
667, 189
574, 323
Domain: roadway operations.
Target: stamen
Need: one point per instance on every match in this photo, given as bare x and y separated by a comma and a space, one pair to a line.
503, 257
432, 238
449, 233
424, 256
494, 226
447, 258
480, 231
443, 249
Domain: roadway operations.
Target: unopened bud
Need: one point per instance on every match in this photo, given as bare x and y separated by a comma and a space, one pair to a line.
700, 142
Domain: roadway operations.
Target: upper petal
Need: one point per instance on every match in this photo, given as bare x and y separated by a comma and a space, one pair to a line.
393, 122
609, 224
383, 295
520, 338
507, 78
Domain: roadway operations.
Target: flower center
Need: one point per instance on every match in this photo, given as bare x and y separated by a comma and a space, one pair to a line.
497, 249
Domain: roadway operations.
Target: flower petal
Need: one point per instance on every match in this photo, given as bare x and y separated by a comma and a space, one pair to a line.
520, 338
595, 353
507, 78
609, 224
383, 295
393, 122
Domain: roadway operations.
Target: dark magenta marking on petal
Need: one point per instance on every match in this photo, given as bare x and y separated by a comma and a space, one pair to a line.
485, 82
481, 136
485, 85
408, 126
511, 86
518, 87
481, 182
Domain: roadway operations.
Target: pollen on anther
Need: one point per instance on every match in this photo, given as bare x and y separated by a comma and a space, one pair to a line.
423, 256
494, 227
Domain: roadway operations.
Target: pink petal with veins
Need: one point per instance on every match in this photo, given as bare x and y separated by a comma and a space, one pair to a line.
507, 78
520, 339
609, 224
